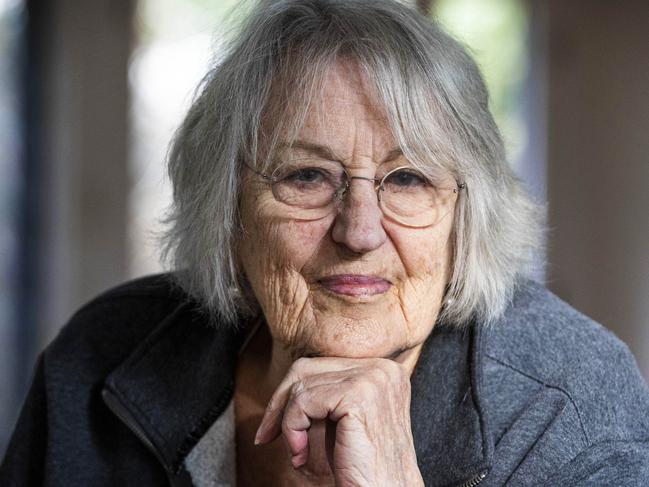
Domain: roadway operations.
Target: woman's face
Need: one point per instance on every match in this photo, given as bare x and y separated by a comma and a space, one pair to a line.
352, 283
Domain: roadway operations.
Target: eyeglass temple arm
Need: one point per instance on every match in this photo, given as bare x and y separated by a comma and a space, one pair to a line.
258, 173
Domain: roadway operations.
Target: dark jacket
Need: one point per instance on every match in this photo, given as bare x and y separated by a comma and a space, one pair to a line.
130, 385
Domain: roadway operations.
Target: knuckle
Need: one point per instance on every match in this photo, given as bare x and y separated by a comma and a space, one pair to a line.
299, 364
285, 427
368, 389
299, 397
297, 388
358, 410
390, 374
380, 374
295, 408
300, 401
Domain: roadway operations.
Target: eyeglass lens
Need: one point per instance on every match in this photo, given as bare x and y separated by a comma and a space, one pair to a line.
314, 189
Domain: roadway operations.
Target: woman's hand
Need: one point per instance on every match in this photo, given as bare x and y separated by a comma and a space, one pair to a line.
369, 402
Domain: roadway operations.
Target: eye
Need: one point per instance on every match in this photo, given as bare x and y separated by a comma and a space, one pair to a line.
405, 178
308, 175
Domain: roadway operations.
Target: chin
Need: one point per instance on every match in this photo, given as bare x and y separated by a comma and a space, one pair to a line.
336, 336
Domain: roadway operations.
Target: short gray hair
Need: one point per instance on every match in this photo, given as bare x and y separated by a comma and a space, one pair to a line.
437, 106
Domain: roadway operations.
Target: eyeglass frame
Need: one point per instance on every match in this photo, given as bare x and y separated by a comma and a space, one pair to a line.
340, 192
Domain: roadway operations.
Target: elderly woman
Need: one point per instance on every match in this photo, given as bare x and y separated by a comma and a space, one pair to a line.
349, 304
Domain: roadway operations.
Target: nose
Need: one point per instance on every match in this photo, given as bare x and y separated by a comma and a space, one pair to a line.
358, 223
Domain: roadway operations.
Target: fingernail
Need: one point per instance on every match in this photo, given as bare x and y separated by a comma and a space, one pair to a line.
258, 435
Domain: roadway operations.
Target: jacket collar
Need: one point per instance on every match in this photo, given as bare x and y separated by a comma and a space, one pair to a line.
175, 384
179, 380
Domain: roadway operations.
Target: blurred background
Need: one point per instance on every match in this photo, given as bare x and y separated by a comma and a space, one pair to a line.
91, 92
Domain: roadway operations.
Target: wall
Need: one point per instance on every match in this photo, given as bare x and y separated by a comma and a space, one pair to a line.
598, 163
83, 182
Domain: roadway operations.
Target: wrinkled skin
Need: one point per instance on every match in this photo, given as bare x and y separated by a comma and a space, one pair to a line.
360, 350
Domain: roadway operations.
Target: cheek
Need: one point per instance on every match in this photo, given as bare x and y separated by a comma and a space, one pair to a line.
282, 241
273, 261
273, 254
425, 254
283, 244
303, 239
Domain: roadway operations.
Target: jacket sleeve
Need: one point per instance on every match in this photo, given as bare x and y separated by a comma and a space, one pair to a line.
605, 464
24, 459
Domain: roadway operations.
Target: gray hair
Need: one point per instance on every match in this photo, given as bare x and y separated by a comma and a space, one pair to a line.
436, 104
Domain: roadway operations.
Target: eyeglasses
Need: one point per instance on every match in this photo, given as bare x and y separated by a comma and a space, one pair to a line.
315, 189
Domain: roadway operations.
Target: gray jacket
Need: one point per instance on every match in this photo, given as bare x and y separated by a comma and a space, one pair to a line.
137, 390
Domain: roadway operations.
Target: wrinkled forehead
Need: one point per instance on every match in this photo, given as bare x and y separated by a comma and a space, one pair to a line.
339, 109
346, 115
348, 106
345, 88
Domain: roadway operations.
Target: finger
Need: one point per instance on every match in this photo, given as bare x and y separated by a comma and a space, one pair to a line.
309, 372
319, 402
316, 370
269, 427
299, 443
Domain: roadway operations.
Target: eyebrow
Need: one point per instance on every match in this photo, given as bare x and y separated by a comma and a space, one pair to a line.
322, 151
328, 153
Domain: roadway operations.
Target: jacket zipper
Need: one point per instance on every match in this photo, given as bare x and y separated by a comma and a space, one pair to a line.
125, 417
474, 480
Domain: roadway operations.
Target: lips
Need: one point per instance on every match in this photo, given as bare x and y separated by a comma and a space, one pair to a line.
355, 285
